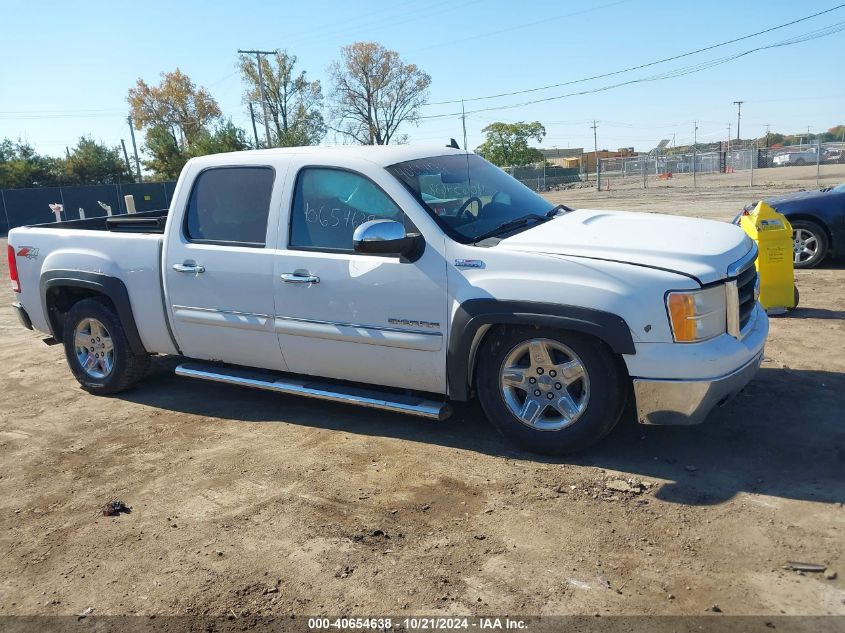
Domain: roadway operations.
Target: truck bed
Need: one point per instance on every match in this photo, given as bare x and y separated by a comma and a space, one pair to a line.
99, 246
146, 222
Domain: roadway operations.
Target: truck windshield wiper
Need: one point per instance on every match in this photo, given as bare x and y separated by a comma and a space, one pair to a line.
553, 212
511, 224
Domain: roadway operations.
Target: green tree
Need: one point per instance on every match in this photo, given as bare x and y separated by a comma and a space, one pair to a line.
21, 166
836, 133
92, 163
506, 144
294, 104
166, 157
374, 92
226, 137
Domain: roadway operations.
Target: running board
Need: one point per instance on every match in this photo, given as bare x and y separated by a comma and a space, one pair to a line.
314, 388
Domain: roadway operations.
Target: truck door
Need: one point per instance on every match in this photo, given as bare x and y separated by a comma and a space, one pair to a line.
351, 316
218, 267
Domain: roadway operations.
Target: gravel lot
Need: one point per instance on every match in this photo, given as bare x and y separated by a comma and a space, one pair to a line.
245, 502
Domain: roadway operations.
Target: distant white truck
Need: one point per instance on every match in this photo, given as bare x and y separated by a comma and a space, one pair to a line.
801, 157
403, 278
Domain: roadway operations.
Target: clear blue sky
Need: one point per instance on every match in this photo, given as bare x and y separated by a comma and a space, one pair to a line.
66, 66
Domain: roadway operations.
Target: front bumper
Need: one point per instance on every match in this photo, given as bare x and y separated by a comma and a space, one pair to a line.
23, 317
689, 401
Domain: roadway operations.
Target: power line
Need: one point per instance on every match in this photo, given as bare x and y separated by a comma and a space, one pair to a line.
526, 25
679, 72
646, 65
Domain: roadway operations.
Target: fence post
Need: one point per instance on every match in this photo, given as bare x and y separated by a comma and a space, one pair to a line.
598, 173
753, 159
818, 160
5, 212
642, 169
62, 198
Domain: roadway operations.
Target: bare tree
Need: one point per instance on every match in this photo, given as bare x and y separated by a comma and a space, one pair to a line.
294, 104
375, 92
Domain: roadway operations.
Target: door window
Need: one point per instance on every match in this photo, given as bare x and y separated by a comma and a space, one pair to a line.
329, 204
230, 205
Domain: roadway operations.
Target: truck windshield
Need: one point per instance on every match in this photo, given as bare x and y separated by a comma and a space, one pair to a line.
470, 198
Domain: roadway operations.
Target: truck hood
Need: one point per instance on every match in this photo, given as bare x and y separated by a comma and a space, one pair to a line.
701, 248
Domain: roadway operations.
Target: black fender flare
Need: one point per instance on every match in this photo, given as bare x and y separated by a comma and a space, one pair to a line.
474, 314
105, 285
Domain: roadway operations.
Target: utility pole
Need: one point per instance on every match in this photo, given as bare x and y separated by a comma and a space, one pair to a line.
694, 143
738, 105
728, 148
767, 135
135, 149
464, 123
254, 129
596, 156
126, 157
258, 55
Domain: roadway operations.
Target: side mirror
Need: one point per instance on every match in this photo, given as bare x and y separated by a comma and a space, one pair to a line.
386, 237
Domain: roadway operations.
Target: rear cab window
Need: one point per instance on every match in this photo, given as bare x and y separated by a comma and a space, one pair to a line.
230, 206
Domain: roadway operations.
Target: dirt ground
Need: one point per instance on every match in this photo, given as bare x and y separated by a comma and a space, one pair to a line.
245, 502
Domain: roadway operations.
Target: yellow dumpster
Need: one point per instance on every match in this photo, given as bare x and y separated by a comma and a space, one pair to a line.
773, 235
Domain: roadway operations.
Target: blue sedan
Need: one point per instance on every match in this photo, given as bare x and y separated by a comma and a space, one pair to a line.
818, 223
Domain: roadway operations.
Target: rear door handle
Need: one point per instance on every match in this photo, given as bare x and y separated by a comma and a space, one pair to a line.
299, 278
189, 268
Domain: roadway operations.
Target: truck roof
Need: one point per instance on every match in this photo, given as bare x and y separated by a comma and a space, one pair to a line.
383, 155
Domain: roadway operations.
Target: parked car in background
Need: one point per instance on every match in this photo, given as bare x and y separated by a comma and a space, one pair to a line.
801, 157
818, 223
834, 155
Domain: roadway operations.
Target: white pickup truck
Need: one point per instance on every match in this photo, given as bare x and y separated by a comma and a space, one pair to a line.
403, 278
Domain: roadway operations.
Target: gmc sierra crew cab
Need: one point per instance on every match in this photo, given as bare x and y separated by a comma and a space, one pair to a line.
403, 278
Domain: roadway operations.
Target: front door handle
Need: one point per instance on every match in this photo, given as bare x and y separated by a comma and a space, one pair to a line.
300, 278
189, 268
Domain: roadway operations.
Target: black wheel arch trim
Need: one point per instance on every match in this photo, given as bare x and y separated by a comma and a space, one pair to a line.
473, 314
106, 285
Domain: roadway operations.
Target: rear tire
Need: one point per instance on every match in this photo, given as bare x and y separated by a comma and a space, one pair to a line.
97, 350
552, 392
810, 244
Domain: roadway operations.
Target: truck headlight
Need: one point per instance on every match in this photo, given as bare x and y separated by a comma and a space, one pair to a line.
697, 315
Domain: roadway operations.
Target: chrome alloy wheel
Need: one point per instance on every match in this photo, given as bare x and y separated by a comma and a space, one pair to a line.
544, 384
94, 348
805, 245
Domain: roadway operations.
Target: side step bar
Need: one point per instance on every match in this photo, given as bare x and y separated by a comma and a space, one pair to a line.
315, 388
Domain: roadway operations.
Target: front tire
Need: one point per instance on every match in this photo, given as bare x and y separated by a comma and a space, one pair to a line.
97, 350
809, 242
552, 392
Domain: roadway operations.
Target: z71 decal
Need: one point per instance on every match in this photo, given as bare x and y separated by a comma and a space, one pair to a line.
29, 252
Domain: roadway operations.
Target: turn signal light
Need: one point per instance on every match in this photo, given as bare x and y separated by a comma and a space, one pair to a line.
682, 315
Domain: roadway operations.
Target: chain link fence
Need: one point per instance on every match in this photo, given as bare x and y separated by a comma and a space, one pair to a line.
729, 160
544, 177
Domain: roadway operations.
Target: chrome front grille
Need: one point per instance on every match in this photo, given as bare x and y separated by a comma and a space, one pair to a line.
745, 284
741, 292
